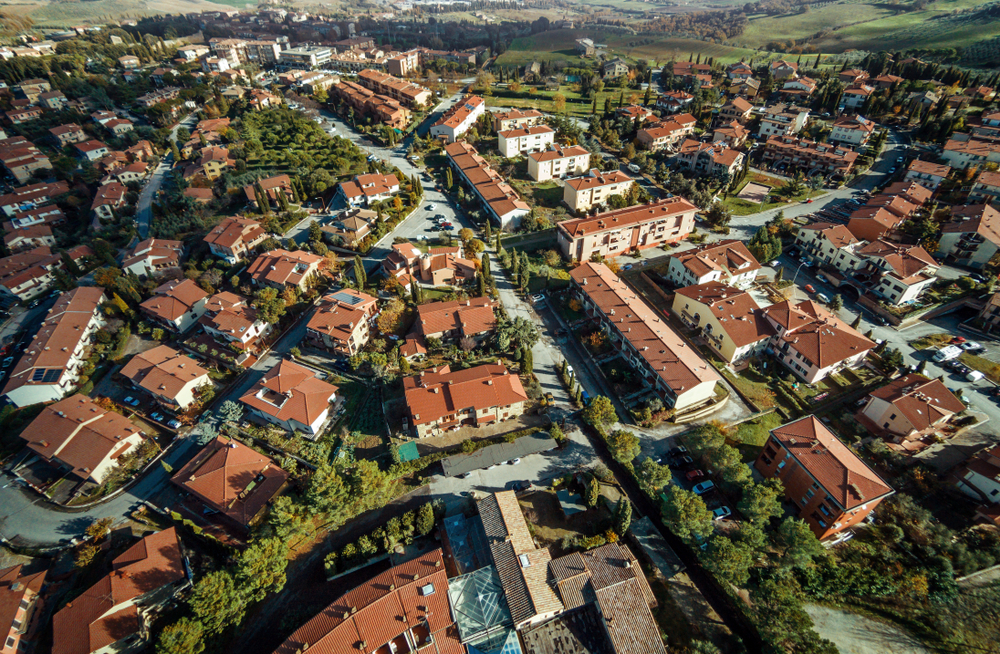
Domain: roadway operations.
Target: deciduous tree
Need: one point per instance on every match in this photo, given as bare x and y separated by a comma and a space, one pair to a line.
600, 412
186, 636
687, 514
217, 602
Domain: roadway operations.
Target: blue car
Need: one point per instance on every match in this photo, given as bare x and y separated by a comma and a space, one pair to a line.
585, 396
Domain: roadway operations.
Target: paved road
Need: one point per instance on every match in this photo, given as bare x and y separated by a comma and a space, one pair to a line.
144, 208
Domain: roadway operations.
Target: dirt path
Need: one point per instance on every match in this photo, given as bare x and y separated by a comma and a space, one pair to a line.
855, 634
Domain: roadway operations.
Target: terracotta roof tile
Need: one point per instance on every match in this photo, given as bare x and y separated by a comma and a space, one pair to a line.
440, 392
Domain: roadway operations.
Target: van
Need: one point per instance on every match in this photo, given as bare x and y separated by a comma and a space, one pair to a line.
974, 375
634, 168
947, 353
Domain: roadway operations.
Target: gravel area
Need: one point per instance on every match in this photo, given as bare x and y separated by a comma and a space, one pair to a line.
855, 634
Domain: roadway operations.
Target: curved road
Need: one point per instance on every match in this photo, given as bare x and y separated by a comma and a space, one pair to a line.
144, 207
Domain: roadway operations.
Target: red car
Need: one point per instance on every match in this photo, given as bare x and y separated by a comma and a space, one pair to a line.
695, 475
809, 288
958, 339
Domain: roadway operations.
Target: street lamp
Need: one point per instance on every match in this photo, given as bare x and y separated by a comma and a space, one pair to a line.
797, 272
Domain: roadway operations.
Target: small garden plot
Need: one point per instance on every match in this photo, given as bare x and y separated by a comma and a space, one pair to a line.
622, 376
552, 528
930, 340
595, 340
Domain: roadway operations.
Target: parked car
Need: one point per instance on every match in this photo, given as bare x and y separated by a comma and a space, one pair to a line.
961, 370
514, 462
703, 487
174, 424
775, 263
158, 417
947, 353
958, 340
131, 401
681, 461
721, 513
974, 375
809, 288
522, 485
823, 298
677, 451
694, 475
971, 346
7, 361
538, 299
431, 207
585, 397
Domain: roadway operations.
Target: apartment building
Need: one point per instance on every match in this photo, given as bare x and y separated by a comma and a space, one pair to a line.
986, 189
909, 409
340, 323
728, 262
972, 237
613, 233
20, 593
732, 134
831, 486
832, 244
368, 188
782, 120
663, 361
812, 342
403, 64
674, 101
23, 160
50, 366
961, 154
171, 378
558, 162
308, 56
502, 203
516, 119
368, 103
407, 93
713, 159
852, 130
898, 273
738, 109
25, 115
666, 133
26, 275
989, 315
29, 197
293, 398
26, 238
107, 198
235, 237
727, 318
439, 400
594, 189
459, 118
230, 322
808, 156
523, 141
979, 478
153, 256
66, 134
282, 269
176, 305
233, 479
114, 614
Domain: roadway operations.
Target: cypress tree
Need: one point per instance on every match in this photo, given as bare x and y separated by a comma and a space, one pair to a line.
623, 516
857, 322
487, 232
447, 178
484, 261
359, 272
607, 105
527, 361
593, 106
481, 285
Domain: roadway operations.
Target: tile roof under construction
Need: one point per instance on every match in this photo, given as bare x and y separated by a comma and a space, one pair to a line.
841, 473
232, 478
664, 351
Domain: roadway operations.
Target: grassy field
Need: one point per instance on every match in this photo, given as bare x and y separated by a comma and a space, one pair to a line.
60, 14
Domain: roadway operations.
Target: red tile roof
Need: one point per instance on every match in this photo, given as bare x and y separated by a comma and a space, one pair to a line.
922, 401
838, 470
738, 314
730, 255
281, 267
668, 207
815, 333
234, 231
340, 312
290, 392
16, 587
440, 392
468, 317
232, 478
172, 300
163, 371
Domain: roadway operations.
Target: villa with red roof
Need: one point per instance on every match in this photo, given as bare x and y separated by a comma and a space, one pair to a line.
169, 376
368, 188
728, 261
340, 322
234, 237
21, 607
291, 397
177, 305
728, 318
909, 409
832, 488
282, 269
439, 400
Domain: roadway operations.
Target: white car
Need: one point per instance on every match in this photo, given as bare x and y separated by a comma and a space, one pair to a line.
947, 354
514, 462
174, 424
431, 207
971, 346
974, 375
775, 263
823, 298
703, 487
538, 299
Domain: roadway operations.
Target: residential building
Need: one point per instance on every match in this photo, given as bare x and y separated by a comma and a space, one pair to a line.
293, 398
170, 377
634, 112
732, 134
502, 204
585, 47
748, 88
460, 319
961, 154
872, 223
368, 188
231, 322
909, 409
114, 614
728, 262
23, 160
154, 255
439, 266
107, 198
664, 362
979, 478
235, 237
799, 88
852, 130
26, 275
809, 156
403, 64
306, 56
896, 272
614, 68
782, 120
368, 103
233, 479
129, 62
989, 315
782, 70
404, 607
439, 400
666, 133
340, 323
613, 233
49, 215
25, 115
26, 238
832, 244
32, 196
516, 119
459, 118
50, 366
674, 101
738, 109
831, 486
23, 612
558, 162
30, 89
972, 237
714, 159
351, 227
176, 305
523, 141
594, 189
273, 187
80, 438
283, 269
812, 342
986, 189
407, 93
68, 134
739, 71
211, 163
728, 319
522, 567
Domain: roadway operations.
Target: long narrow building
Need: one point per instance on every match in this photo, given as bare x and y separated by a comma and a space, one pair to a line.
625, 230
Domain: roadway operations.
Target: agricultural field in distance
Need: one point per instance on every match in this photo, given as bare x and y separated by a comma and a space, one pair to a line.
62, 14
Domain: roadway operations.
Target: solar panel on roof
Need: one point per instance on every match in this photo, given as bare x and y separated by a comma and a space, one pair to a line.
347, 298
52, 375
38, 374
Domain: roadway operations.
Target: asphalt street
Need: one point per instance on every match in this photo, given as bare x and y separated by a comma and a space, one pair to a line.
144, 207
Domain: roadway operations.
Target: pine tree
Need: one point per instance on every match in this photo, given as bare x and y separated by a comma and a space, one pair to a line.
359, 272
623, 516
